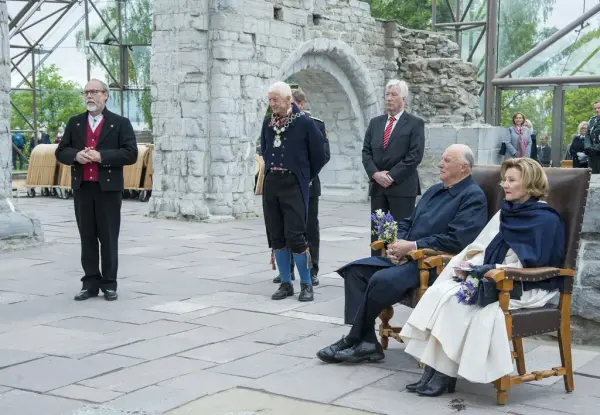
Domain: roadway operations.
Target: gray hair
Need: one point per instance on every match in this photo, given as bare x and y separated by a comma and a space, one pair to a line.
298, 95
582, 124
467, 154
281, 88
102, 84
401, 85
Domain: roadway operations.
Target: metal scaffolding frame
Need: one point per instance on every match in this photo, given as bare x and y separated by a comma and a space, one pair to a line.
24, 20
498, 80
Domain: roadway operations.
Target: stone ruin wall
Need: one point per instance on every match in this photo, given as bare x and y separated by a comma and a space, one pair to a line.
213, 61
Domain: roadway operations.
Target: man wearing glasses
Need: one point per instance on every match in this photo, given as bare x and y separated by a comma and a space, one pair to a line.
97, 144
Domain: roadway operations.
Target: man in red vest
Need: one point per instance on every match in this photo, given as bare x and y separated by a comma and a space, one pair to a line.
97, 144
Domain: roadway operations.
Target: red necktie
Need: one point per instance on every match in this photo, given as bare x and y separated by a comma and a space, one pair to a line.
388, 132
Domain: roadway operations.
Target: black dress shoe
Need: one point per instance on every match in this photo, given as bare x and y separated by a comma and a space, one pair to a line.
438, 384
360, 352
327, 354
110, 295
306, 293
285, 290
85, 294
277, 279
315, 280
421, 384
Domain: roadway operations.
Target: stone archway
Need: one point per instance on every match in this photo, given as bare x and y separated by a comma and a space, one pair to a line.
340, 92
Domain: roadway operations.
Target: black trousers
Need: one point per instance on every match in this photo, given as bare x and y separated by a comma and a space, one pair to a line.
594, 163
98, 217
313, 235
284, 211
399, 207
369, 290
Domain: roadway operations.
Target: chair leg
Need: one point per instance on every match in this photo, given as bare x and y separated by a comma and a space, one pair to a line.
502, 386
385, 316
518, 347
564, 345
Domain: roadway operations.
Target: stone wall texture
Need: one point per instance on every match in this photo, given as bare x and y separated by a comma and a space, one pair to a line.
213, 61
17, 229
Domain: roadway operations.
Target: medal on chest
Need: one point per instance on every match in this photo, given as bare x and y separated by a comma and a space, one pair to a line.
280, 130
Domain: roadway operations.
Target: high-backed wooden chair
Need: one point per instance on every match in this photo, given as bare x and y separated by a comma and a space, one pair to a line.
568, 195
488, 178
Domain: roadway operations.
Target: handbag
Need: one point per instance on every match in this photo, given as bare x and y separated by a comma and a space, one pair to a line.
502, 149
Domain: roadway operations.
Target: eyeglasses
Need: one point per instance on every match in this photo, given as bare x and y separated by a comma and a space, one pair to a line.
91, 92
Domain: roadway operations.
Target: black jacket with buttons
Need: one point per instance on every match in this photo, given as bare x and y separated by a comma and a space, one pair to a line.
116, 144
315, 185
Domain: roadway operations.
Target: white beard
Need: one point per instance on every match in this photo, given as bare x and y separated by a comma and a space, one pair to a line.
91, 107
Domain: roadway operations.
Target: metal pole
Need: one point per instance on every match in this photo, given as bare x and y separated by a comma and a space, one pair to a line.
558, 103
466, 10
498, 107
548, 80
490, 59
121, 52
433, 15
87, 39
474, 48
33, 79
456, 31
548, 42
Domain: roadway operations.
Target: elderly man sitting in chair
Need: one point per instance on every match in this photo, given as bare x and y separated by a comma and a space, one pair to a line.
447, 218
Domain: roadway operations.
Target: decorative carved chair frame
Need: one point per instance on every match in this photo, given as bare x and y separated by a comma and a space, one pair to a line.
488, 178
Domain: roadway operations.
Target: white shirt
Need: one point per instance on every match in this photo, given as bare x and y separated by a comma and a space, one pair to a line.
396, 117
94, 121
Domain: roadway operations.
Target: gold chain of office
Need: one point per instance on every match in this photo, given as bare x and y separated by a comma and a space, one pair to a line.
279, 131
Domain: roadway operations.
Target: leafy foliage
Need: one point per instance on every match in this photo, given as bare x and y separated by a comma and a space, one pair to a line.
414, 14
136, 29
57, 101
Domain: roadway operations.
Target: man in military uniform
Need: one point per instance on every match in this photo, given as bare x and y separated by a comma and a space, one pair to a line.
294, 152
592, 140
312, 226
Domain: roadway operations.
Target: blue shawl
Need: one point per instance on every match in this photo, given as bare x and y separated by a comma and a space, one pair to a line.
535, 232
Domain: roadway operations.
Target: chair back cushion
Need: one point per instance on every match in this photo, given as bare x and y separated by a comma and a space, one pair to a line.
488, 178
568, 195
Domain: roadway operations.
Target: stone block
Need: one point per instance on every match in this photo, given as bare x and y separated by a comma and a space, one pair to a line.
86, 394
12, 357
140, 376
226, 352
258, 365
588, 274
591, 219
29, 403
584, 303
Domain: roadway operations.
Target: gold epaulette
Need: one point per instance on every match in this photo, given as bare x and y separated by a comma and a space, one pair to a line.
316, 119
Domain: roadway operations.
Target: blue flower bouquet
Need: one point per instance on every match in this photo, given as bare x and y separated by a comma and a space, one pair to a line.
467, 293
385, 228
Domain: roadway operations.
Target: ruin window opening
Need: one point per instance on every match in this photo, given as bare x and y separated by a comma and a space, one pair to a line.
316, 19
278, 12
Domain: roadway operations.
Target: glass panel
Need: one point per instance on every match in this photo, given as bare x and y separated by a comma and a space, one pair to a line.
137, 22
524, 24
139, 66
137, 109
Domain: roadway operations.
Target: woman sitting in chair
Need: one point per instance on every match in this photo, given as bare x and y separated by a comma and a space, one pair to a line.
458, 327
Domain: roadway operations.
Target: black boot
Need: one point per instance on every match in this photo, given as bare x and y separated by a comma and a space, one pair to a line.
438, 384
285, 290
421, 384
306, 293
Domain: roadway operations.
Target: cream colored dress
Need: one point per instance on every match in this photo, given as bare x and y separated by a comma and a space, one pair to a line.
466, 340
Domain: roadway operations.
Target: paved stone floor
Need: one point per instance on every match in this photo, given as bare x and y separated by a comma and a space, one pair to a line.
195, 332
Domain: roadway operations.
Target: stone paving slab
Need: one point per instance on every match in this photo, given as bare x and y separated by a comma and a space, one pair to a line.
195, 331
246, 402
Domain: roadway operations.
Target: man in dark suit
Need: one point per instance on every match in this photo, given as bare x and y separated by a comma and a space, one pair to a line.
294, 153
97, 144
544, 152
392, 150
312, 224
448, 217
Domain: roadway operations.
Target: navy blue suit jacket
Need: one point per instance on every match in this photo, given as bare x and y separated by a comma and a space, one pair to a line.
302, 150
444, 219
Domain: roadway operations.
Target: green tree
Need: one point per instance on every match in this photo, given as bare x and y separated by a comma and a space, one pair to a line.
414, 14
132, 20
57, 101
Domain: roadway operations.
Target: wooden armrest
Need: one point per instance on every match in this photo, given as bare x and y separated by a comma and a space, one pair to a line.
377, 245
438, 260
528, 274
424, 253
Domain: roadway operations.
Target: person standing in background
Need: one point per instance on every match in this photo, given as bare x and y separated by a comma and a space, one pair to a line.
98, 144
392, 150
577, 147
545, 152
592, 140
534, 148
518, 138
